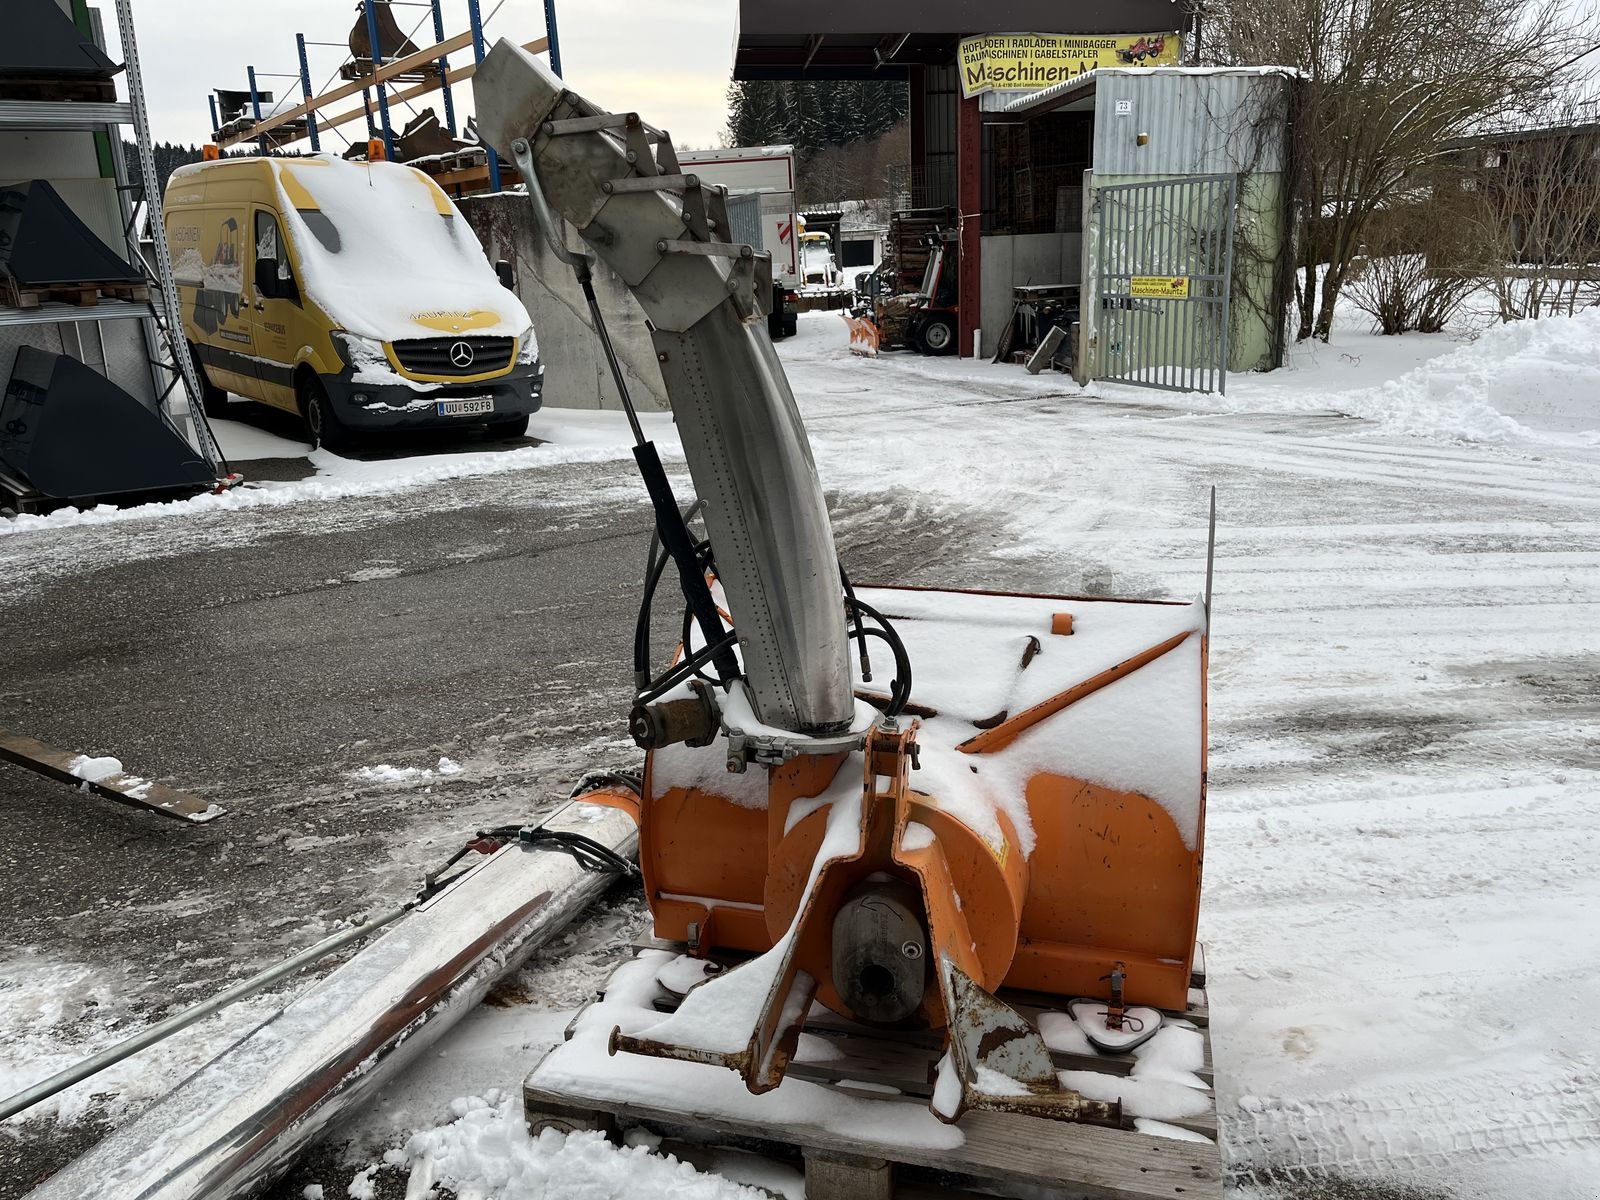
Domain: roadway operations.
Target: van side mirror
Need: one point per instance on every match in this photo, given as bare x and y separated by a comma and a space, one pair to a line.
266, 277
508, 277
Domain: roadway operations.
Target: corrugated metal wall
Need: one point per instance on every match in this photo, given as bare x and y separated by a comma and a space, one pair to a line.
1197, 124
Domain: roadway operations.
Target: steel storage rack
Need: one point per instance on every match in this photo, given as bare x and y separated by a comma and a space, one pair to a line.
136, 343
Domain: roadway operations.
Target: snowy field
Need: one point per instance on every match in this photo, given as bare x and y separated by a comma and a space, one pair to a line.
1402, 907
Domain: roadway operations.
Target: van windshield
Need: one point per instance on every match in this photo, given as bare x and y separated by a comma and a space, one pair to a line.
377, 254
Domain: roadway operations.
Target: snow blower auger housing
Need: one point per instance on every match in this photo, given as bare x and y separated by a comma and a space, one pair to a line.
1026, 813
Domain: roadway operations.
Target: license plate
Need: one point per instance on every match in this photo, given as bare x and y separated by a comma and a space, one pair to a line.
466, 408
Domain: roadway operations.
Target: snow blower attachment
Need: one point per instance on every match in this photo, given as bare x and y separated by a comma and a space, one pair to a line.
1028, 814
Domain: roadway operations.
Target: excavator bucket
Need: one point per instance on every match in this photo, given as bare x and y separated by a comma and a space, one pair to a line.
392, 43
423, 137
864, 335
69, 433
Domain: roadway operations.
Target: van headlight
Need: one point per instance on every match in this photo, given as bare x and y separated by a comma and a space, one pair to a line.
360, 352
527, 347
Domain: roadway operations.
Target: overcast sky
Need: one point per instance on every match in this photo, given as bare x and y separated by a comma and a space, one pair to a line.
669, 61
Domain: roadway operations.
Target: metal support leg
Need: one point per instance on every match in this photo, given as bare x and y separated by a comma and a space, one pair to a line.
554, 38
444, 72
383, 96
255, 104
475, 14
305, 90
172, 325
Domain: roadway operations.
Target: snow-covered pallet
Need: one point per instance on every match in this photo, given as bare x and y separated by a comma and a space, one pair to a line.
842, 1066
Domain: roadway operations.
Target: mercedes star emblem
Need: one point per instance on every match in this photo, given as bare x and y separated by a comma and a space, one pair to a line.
461, 355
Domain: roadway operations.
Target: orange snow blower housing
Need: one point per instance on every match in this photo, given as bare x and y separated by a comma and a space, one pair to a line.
1018, 800
1055, 823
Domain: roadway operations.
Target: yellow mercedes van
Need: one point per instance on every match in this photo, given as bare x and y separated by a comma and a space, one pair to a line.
353, 294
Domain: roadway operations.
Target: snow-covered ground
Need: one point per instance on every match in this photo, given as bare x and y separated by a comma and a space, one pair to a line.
1401, 905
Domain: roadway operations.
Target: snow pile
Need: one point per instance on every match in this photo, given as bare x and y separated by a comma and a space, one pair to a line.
1536, 380
1543, 373
95, 770
384, 773
488, 1151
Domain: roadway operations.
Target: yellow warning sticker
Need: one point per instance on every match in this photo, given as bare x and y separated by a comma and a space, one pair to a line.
1159, 287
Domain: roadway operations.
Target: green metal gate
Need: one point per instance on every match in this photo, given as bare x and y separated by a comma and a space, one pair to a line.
1162, 274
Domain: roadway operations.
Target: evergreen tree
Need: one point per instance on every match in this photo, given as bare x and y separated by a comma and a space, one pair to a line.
812, 114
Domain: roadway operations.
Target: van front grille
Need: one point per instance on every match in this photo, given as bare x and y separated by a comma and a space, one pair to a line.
455, 356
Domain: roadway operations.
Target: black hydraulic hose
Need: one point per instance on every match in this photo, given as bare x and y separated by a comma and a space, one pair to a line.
688, 666
641, 629
855, 614
680, 546
653, 570
900, 690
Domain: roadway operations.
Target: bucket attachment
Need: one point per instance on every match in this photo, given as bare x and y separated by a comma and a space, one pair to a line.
41, 44
392, 43
71, 433
864, 335
423, 137
43, 244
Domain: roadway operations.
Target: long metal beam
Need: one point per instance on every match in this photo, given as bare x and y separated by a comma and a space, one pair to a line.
456, 75
237, 1123
388, 71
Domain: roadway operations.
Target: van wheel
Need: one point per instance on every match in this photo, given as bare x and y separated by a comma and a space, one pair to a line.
514, 428
324, 430
937, 336
212, 398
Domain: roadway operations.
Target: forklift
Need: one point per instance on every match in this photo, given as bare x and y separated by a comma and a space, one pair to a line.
890, 316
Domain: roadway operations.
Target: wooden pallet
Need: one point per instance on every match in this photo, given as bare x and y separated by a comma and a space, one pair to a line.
1001, 1153
82, 295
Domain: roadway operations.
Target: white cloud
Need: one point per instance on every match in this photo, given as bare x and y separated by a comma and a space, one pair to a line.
669, 61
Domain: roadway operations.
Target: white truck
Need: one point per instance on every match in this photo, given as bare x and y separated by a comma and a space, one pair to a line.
760, 183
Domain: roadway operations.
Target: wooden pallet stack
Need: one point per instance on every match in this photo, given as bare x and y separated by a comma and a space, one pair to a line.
999, 1153
79, 293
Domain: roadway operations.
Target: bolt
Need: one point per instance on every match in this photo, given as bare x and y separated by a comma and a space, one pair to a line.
519, 146
912, 950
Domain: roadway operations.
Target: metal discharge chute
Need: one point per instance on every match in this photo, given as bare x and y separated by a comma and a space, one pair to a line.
1053, 840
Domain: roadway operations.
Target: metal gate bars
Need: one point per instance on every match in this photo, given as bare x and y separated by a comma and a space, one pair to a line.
1162, 275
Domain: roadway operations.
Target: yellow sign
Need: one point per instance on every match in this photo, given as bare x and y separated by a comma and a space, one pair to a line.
1159, 287
1026, 62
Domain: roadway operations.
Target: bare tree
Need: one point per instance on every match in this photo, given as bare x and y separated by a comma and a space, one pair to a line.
1421, 259
1385, 84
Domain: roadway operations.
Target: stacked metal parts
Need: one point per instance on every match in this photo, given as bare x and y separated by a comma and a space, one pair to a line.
87, 360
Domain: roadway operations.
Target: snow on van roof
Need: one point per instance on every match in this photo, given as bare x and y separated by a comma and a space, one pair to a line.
386, 255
